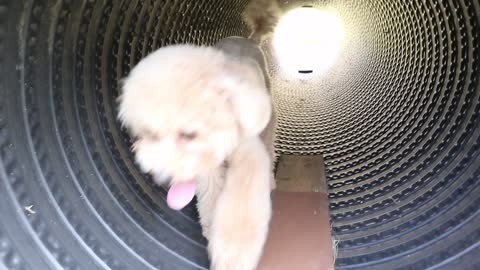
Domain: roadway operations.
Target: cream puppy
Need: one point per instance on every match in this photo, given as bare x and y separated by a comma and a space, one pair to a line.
203, 122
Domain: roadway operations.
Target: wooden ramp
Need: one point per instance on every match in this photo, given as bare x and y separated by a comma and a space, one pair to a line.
299, 236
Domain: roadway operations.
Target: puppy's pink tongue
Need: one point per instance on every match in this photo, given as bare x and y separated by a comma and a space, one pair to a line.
179, 195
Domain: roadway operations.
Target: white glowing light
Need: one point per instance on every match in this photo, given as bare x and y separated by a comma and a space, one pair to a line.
308, 39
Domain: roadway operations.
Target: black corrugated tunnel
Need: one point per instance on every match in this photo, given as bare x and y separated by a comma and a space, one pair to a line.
397, 120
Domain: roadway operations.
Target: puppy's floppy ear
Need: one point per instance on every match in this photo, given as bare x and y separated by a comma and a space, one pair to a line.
245, 87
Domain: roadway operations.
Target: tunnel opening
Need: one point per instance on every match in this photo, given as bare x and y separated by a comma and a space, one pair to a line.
396, 118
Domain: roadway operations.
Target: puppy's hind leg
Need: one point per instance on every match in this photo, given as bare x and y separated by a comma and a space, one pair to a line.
241, 219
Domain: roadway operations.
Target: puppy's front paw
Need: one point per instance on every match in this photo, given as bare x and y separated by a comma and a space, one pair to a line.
242, 215
237, 246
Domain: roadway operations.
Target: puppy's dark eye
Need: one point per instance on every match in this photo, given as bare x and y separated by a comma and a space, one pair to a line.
188, 136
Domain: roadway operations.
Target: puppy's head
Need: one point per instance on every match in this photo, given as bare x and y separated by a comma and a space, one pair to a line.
188, 108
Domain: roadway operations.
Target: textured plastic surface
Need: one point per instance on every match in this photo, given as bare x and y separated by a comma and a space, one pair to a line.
398, 122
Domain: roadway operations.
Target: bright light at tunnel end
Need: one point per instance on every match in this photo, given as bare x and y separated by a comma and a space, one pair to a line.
308, 39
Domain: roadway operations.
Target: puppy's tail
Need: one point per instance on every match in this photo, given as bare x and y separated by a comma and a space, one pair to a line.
262, 17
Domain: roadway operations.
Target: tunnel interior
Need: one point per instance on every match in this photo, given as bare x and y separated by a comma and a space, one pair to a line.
396, 119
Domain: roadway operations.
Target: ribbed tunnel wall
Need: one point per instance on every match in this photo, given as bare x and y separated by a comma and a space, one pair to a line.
397, 120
